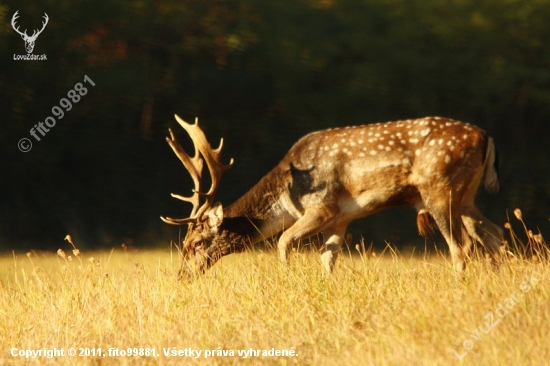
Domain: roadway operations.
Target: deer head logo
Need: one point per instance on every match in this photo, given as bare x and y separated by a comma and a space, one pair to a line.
29, 40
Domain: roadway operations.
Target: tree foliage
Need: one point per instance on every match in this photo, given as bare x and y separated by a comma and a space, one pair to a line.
261, 74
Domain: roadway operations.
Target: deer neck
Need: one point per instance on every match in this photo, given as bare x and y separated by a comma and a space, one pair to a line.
256, 215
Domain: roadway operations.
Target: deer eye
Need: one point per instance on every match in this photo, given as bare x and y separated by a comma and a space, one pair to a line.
197, 244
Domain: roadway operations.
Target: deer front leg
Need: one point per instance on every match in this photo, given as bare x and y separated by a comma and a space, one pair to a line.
333, 245
313, 222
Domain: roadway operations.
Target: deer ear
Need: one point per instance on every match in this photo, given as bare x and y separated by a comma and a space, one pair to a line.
215, 215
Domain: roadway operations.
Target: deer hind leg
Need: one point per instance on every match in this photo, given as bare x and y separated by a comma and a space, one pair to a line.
485, 232
312, 222
448, 220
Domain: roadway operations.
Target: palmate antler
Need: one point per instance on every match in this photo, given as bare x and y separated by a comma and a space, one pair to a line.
194, 166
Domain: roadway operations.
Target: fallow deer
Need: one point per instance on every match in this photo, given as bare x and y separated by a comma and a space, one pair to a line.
332, 177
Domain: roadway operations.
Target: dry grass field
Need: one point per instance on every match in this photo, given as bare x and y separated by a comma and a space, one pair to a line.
378, 309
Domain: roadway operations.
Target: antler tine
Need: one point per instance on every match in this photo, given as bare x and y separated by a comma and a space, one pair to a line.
172, 221
212, 158
13, 20
46, 18
194, 166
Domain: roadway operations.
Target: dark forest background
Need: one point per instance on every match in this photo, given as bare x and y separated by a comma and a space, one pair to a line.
261, 74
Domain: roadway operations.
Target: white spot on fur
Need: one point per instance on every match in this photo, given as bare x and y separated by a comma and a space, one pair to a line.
425, 132
432, 142
447, 159
373, 152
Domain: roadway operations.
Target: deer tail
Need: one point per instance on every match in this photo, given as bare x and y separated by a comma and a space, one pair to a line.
491, 172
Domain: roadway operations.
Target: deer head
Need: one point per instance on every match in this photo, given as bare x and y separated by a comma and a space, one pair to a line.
29, 40
205, 220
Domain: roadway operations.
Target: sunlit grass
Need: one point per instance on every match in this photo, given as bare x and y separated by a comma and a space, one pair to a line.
378, 308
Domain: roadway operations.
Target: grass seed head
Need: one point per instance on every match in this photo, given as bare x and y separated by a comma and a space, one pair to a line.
61, 253
69, 238
517, 213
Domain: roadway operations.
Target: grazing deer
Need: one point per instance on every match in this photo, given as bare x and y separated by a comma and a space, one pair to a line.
332, 177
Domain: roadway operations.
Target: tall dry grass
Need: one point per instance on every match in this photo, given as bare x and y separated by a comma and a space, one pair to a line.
377, 309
